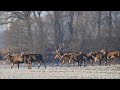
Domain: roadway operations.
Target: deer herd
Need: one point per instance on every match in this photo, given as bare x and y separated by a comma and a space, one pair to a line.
68, 57
80, 57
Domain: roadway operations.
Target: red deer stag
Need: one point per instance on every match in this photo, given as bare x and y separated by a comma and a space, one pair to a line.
68, 57
63, 57
15, 59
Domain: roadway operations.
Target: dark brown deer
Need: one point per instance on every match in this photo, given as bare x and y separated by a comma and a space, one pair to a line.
90, 58
80, 58
34, 58
15, 59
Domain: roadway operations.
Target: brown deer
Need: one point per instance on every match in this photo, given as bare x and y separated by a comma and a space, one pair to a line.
66, 57
98, 56
15, 59
79, 57
110, 55
90, 58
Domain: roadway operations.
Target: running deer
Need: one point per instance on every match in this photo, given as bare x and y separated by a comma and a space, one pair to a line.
89, 58
110, 55
66, 57
97, 57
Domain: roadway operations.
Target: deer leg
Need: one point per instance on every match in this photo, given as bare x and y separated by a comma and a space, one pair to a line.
68, 63
39, 64
85, 63
100, 62
78, 62
29, 64
106, 62
62, 63
81, 61
12, 65
18, 65
44, 63
93, 62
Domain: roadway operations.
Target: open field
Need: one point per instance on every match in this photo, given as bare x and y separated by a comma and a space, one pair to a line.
57, 72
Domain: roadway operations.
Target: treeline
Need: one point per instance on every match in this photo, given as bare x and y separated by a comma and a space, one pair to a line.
78, 30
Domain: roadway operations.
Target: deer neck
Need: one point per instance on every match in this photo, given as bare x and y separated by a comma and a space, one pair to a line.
60, 57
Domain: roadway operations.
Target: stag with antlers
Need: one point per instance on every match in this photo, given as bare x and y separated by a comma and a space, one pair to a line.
15, 59
63, 57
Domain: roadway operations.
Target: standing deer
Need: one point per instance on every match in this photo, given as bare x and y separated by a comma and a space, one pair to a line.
15, 59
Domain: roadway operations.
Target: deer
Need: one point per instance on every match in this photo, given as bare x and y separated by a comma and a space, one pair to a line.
110, 55
90, 58
15, 59
34, 58
97, 57
79, 57
66, 57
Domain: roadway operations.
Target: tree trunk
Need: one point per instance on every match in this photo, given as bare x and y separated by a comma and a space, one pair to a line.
57, 29
70, 24
99, 22
28, 25
110, 24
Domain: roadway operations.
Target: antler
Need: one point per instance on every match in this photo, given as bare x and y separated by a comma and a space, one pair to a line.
61, 46
22, 52
8, 50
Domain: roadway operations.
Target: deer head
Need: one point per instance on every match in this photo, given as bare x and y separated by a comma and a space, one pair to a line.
6, 53
103, 51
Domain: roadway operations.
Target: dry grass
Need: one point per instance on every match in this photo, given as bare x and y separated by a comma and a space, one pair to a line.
57, 72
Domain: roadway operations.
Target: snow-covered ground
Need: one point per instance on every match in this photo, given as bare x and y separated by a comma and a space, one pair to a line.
57, 72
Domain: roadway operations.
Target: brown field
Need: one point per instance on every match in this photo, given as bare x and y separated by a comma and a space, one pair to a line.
57, 72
